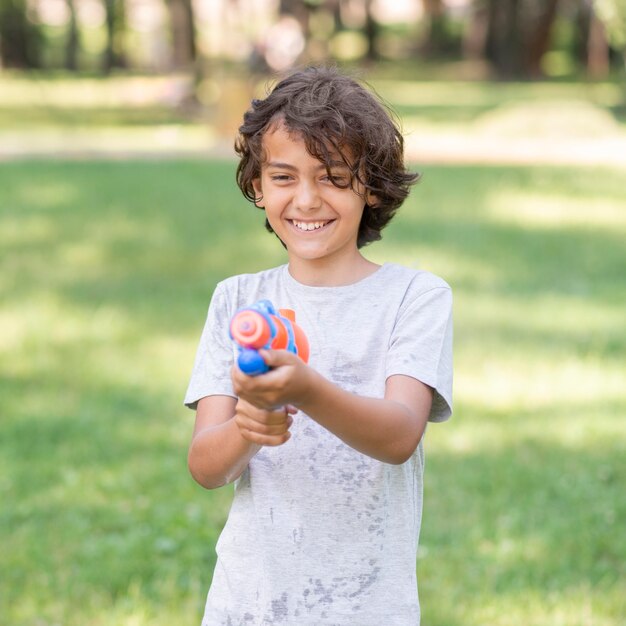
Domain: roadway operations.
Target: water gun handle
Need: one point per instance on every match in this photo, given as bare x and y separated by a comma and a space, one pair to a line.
260, 326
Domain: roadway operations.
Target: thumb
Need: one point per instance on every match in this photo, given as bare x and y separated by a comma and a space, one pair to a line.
276, 358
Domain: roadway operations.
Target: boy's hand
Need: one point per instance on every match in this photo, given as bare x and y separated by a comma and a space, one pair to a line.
265, 428
287, 382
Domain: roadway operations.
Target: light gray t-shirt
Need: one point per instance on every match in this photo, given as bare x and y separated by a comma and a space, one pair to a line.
318, 533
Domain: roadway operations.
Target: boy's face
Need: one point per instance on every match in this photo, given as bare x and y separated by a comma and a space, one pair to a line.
313, 218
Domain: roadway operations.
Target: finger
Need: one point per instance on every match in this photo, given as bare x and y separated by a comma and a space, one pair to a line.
291, 409
271, 418
242, 383
271, 430
240, 379
276, 358
265, 440
235, 376
268, 401
263, 421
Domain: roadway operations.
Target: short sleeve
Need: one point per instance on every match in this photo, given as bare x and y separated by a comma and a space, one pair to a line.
421, 346
215, 355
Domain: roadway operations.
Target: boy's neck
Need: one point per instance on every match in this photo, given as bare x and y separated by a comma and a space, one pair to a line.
329, 273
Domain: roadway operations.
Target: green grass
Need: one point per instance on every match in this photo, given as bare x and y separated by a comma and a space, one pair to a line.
107, 269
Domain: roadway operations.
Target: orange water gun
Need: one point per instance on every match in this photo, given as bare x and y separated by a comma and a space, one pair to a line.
259, 327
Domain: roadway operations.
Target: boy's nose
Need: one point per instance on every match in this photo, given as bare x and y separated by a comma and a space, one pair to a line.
307, 197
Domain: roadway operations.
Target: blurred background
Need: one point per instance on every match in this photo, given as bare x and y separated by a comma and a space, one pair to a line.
95, 76
119, 213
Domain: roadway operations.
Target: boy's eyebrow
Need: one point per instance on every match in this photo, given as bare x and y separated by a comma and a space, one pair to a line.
287, 166
279, 165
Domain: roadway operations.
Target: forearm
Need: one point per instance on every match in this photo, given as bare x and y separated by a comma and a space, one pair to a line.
219, 454
382, 428
388, 429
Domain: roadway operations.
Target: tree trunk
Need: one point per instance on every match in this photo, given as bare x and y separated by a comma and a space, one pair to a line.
540, 40
115, 21
581, 32
598, 61
435, 41
475, 32
20, 39
371, 32
71, 45
505, 38
183, 28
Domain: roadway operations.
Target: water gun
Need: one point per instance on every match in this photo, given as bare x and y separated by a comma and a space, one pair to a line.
258, 327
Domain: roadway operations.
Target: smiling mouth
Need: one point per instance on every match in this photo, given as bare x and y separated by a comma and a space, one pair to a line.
310, 226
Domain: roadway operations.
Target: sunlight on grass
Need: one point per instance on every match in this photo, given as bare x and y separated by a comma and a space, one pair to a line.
456, 268
200, 138
97, 342
516, 381
85, 92
575, 607
462, 94
543, 211
50, 324
549, 119
27, 230
47, 197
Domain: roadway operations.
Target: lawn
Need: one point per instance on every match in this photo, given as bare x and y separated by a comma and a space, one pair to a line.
107, 270
41, 114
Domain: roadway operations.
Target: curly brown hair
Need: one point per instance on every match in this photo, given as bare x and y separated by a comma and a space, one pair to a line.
333, 114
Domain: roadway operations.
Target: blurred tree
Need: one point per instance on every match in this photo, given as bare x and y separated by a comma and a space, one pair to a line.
334, 6
300, 10
539, 29
513, 36
183, 29
598, 60
371, 31
582, 20
475, 31
436, 40
20, 38
613, 15
115, 24
503, 39
71, 45
518, 35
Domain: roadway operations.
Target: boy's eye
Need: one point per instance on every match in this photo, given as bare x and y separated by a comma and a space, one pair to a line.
280, 177
337, 179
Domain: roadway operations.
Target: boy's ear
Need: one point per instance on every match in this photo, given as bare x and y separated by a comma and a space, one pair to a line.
258, 192
371, 199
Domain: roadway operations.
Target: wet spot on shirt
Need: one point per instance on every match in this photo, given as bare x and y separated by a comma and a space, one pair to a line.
366, 581
279, 608
325, 595
297, 535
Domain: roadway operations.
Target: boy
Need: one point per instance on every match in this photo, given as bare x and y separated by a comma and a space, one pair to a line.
327, 457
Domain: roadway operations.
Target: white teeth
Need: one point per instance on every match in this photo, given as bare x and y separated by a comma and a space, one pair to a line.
308, 225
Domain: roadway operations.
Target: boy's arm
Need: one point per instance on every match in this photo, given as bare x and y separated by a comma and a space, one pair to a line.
388, 429
221, 446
